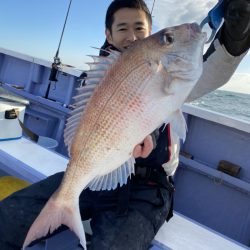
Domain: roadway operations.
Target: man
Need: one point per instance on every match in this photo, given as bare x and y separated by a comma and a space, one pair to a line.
130, 216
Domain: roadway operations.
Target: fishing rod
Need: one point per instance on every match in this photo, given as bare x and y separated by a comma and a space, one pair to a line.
57, 62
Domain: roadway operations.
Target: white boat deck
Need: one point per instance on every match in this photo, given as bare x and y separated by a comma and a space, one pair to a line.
182, 233
29, 160
32, 162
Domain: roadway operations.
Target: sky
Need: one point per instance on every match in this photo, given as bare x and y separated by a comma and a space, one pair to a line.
33, 27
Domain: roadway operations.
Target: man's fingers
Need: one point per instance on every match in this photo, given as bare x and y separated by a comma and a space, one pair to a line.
143, 150
147, 146
137, 151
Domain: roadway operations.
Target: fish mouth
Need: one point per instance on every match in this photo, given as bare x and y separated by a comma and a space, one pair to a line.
195, 31
195, 28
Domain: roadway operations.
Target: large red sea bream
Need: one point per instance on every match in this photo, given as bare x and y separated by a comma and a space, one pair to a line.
127, 96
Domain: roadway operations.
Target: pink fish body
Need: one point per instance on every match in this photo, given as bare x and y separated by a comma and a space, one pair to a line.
126, 98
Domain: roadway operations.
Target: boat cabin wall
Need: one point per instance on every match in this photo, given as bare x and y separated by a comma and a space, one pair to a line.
213, 137
28, 77
216, 199
32, 76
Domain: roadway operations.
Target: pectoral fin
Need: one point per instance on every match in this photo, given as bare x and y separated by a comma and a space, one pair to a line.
178, 124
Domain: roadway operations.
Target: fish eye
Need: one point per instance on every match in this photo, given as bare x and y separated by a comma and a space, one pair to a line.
168, 38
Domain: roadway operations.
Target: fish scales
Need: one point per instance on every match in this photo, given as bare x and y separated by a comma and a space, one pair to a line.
108, 122
105, 132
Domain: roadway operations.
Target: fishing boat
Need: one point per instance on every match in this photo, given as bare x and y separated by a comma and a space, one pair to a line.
212, 197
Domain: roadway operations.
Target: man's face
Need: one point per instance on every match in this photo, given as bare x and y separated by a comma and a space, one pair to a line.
129, 25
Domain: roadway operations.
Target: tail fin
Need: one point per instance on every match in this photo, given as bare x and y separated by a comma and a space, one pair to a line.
54, 214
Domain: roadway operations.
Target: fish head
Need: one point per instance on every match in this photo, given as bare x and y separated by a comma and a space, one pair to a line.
179, 50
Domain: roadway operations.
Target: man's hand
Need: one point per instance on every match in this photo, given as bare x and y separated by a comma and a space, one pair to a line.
144, 149
236, 30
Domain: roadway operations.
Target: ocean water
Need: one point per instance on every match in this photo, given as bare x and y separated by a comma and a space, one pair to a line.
236, 105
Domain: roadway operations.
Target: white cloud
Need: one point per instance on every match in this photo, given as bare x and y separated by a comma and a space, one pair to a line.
240, 82
171, 12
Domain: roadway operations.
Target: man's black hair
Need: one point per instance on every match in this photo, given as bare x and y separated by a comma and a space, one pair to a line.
119, 4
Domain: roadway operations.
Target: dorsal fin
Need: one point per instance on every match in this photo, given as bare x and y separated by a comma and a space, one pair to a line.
94, 76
